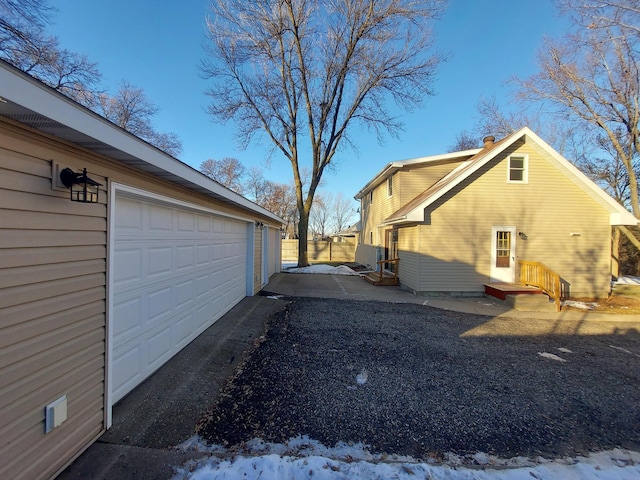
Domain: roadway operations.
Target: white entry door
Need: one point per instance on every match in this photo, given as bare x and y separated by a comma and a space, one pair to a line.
503, 254
175, 271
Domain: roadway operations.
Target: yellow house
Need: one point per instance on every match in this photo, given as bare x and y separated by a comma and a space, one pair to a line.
461, 220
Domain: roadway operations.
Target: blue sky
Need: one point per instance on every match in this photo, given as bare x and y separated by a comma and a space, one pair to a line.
157, 46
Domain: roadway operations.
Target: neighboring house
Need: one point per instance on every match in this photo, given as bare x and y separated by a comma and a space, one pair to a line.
461, 220
94, 297
348, 234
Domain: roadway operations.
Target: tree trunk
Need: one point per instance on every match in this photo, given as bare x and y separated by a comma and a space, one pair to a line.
303, 228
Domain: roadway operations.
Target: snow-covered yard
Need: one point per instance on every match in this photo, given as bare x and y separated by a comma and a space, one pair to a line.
323, 269
302, 458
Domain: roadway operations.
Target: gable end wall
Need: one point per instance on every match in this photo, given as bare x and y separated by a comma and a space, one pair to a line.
455, 248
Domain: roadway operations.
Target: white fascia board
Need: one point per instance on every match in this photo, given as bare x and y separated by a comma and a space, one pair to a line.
30, 93
622, 218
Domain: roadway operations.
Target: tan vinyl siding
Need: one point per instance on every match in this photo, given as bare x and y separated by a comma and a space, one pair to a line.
52, 314
408, 248
53, 275
455, 248
415, 180
274, 248
408, 183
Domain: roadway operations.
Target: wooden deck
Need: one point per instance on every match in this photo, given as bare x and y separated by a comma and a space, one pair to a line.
501, 290
387, 278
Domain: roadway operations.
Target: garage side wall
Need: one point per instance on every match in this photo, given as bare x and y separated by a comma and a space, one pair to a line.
53, 296
52, 313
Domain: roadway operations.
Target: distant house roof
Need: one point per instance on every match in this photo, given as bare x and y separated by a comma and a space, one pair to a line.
31, 102
350, 231
413, 211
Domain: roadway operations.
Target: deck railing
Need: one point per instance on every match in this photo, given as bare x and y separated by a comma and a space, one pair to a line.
539, 275
395, 262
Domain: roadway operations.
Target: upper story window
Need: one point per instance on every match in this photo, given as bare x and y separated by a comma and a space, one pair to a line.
518, 169
390, 186
371, 197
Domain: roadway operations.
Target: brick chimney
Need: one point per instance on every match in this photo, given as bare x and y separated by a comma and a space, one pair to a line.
488, 141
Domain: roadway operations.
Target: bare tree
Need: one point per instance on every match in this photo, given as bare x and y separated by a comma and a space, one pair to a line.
130, 109
25, 44
320, 216
592, 79
622, 15
228, 172
465, 140
304, 72
342, 212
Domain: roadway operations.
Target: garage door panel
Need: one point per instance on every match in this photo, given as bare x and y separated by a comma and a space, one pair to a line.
186, 257
186, 221
159, 345
160, 219
159, 305
159, 261
127, 266
125, 378
128, 313
176, 272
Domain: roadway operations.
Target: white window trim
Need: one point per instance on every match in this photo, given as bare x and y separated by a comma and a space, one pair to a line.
525, 168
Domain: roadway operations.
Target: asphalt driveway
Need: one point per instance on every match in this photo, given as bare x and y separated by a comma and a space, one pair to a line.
410, 379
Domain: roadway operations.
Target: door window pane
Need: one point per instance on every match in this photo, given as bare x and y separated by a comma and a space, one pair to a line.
503, 249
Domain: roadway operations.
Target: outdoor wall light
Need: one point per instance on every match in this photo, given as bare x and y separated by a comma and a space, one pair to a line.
81, 188
522, 235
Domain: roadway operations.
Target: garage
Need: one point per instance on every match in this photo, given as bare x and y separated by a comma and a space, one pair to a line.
176, 269
100, 290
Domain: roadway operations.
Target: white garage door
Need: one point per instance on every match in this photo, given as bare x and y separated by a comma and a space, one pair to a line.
175, 272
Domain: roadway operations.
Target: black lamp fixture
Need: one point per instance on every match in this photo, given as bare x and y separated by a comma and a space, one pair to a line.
82, 188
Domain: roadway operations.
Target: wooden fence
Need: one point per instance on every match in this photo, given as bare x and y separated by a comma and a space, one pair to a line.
321, 251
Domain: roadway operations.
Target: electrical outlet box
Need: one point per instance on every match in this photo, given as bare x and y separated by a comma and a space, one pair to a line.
55, 414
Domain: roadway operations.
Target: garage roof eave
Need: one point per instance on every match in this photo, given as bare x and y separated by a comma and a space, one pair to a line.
28, 101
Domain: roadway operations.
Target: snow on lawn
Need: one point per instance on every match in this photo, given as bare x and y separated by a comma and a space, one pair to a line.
628, 280
580, 305
302, 458
327, 269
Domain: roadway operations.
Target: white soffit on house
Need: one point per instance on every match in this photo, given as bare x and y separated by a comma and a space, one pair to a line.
29, 101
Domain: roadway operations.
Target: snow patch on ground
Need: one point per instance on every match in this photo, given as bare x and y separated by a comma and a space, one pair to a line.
324, 269
628, 280
580, 305
361, 378
551, 356
303, 458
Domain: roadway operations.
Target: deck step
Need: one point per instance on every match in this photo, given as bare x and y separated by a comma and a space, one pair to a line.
501, 290
530, 303
388, 279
